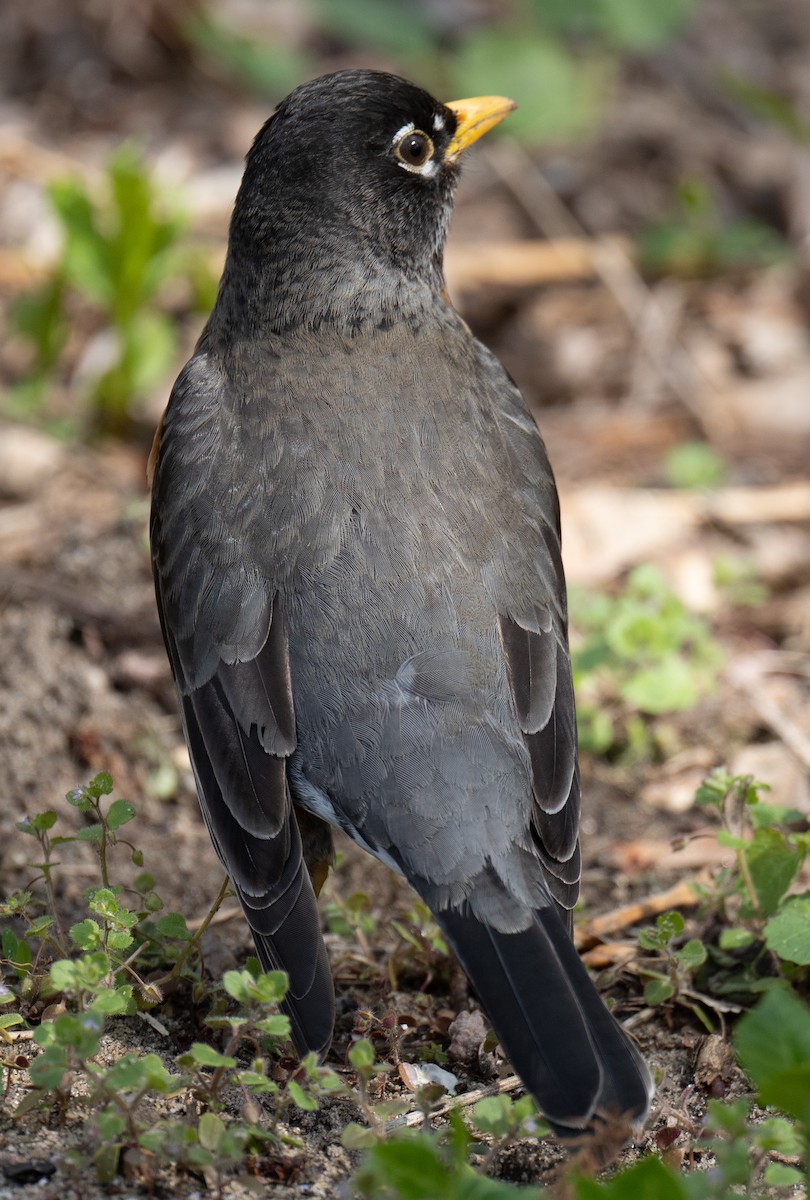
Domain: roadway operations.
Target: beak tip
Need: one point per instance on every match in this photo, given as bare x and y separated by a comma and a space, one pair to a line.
474, 118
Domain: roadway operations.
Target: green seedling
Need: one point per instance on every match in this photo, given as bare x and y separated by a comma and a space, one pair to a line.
670, 967
637, 657
122, 249
697, 242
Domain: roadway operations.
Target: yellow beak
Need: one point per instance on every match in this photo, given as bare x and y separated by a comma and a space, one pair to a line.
475, 118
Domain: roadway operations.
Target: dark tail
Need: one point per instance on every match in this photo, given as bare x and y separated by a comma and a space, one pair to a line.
263, 857
310, 1001
571, 1054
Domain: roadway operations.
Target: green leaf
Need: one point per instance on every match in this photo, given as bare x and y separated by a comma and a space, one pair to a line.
356, 1137
361, 1055
300, 1097
695, 465
211, 1129
236, 984
111, 1124
90, 833
114, 1002
415, 1168
173, 925
559, 96
277, 1025
691, 955
126, 1075
788, 933
258, 1082
773, 1042
49, 1069
736, 939
63, 974
777, 1133
15, 951
667, 686
119, 940
270, 987
730, 841
206, 1056
647, 1180
149, 350
773, 864
85, 256
157, 1077
658, 991
39, 926
790, 1092
86, 934
763, 815
492, 1115
412, 1167
119, 813
40, 316
101, 785
106, 1160
671, 924
42, 822
781, 1175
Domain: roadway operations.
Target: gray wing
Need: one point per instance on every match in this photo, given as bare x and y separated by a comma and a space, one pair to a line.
228, 648
534, 639
539, 670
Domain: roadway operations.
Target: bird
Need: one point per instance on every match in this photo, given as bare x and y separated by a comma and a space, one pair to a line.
355, 538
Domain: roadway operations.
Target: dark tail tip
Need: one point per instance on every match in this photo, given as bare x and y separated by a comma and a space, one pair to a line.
571, 1053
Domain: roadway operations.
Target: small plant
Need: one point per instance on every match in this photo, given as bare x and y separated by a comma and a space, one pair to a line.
694, 465
696, 242
94, 972
757, 928
113, 937
121, 250
764, 924
736, 577
421, 947
637, 657
670, 978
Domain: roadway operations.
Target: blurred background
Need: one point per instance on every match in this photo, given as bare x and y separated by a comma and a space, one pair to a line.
662, 149
632, 243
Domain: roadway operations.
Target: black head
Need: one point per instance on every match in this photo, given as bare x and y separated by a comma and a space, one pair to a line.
351, 179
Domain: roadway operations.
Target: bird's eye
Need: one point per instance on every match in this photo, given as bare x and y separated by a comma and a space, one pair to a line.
414, 149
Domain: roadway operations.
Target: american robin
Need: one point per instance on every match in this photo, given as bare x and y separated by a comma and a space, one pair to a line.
356, 543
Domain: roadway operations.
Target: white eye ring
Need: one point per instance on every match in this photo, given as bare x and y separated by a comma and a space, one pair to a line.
410, 156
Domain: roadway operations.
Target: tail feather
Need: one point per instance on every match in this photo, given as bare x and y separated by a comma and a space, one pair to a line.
268, 872
311, 1009
570, 1052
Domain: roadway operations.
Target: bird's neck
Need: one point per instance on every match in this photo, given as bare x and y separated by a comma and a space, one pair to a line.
320, 280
